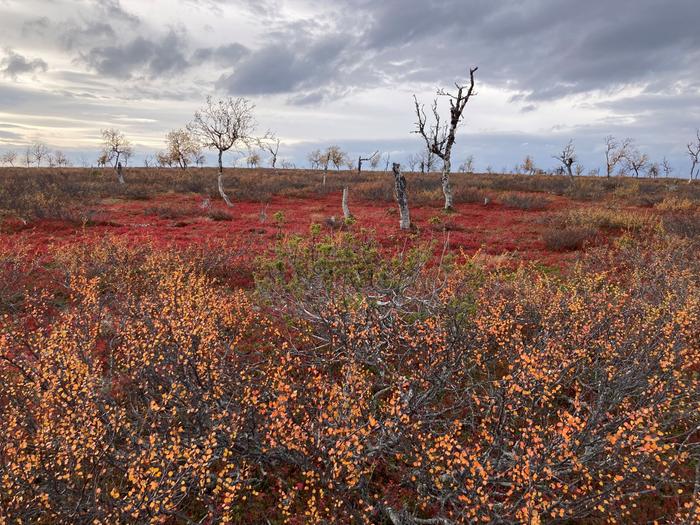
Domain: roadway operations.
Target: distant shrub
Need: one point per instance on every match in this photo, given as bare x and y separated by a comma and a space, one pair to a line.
568, 239
611, 218
674, 203
171, 212
682, 224
525, 202
219, 215
468, 194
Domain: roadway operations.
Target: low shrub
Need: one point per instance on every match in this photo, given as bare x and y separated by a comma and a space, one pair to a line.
525, 202
219, 215
611, 218
568, 238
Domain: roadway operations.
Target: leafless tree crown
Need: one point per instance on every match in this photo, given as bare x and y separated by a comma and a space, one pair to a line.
440, 136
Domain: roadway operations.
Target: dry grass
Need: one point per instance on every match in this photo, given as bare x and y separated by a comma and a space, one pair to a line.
610, 219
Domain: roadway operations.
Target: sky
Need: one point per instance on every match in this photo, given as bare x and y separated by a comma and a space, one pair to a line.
344, 72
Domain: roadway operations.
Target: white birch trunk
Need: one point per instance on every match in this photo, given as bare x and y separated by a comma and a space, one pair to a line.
401, 197
346, 209
220, 181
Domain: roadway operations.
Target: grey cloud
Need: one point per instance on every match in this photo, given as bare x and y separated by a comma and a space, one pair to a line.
36, 26
113, 10
307, 67
15, 64
8, 135
73, 35
226, 55
154, 58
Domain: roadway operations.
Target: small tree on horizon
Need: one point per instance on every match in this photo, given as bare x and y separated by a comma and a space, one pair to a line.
567, 157
40, 151
221, 125
635, 160
183, 148
694, 154
115, 148
615, 153
9, 157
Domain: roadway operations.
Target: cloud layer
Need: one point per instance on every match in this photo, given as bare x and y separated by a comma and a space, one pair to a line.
549, 69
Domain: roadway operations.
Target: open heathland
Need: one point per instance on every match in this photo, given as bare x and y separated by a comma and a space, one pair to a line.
531, 356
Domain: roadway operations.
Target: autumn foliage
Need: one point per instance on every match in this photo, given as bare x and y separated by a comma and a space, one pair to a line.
350, 386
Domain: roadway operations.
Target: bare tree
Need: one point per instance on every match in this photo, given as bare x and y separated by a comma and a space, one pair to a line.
370, 159
468, 165
28, 156
253, 160
315, 159
271, 145
579, 169
666, 166
39, 152
221, 125
115, 148
336, 156
183, 148
528, 165
413, 161
9, 158
567, 157
615, 152
694, 154
440, 138
401, 194
375, 160
635, 160
102, 160
653, 170
427, 161
164, 160
59, 159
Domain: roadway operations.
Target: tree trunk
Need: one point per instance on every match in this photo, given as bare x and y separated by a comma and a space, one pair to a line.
346, 209
325, 172
220, 180
446, 187
401, 197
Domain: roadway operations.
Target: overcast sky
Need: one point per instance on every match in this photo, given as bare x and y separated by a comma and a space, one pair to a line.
344, 71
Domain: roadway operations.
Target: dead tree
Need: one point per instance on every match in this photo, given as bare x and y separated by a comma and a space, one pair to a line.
636, 160
427, 161
271, 145
40, 151
346, 209
221, 125
694, 154
666, 166
440, 138
401, 197
615, 152
365, 159
115, 148
9, 158
567, 157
